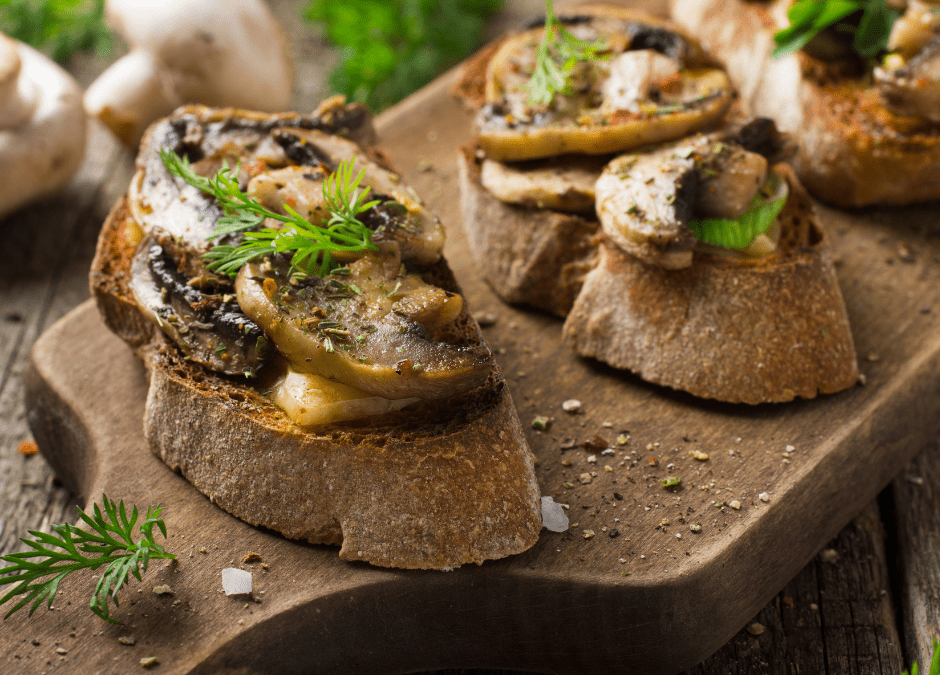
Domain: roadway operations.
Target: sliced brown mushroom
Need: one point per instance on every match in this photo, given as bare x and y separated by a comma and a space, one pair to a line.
655, 85
645, 201
563, 184
370, 328
913, 89
207, 136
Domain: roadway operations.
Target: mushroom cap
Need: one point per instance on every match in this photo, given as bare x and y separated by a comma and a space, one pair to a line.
42, 125
215, 52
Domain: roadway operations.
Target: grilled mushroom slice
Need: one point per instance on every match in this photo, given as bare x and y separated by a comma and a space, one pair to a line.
207, 137
370, 326
209, 328
645, 201
563, 184
654, 85
913, 89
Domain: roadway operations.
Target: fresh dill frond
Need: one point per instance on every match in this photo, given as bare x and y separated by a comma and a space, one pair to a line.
313, 245
556, 57
70, 548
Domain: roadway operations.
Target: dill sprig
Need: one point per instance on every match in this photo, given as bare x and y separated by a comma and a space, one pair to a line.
555, 59
312, 245
71, 548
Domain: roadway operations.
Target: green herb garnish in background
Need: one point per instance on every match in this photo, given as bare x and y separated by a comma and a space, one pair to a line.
390, 49
71, 548
809, 17
312, 245
934, 662
556, 57
59, 28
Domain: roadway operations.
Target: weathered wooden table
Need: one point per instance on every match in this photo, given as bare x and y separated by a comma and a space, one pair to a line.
868, 603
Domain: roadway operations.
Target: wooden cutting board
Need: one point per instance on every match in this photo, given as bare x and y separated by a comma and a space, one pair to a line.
629, 587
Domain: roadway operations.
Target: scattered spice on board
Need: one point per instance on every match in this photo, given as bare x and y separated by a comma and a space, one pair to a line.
764, 497
695, 527
571, 406
149, 661
541, 423
251, 557
28, 448
127, 640
584, 478
830, 555
756, 628
699, 455
596, 444
163, 590
671, 481
623, 439
736, 505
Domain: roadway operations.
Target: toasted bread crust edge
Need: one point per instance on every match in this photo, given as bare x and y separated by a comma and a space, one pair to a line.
447, 485
740, 333
528, 255
853, 152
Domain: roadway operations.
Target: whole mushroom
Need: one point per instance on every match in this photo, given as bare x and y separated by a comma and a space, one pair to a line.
42, 125
216, 52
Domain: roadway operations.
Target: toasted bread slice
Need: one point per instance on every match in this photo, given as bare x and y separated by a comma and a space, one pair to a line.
434, 485
532, 256
853, 150
743, 331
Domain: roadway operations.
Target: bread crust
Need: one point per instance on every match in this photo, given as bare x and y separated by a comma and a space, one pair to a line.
433, 486
853, 152
742, 332
530, 256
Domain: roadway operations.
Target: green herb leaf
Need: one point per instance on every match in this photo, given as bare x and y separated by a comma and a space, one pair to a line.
110, 542
59, 28
739, 232
671, 481
556, 57
390, 49
809, 17
934, 662
312, 245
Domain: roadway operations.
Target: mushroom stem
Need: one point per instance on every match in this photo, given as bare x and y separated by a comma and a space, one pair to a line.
130, 94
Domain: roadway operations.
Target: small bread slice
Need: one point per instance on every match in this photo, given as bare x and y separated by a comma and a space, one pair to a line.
742, 331
435, 485
853, 150
532, 256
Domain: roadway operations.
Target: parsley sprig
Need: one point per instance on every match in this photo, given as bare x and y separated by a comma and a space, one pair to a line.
70, 548
312, 245
809, 17
556, 57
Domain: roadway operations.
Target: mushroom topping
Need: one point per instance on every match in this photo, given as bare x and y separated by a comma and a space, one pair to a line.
209, 138
401, 217
370, 326
646, 202
564, 184
210, 329
215, 52
42, 125
913, 89
651, 86
310, 399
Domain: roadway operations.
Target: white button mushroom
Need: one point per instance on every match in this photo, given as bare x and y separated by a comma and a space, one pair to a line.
215, 52
42, 125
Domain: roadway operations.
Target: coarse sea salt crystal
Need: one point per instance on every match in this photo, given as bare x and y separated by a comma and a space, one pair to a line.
236, 581
554, 517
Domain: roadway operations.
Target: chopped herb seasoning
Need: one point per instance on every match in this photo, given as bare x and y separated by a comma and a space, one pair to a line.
671, 481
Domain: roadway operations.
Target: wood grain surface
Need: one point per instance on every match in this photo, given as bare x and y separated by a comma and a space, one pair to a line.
889, 274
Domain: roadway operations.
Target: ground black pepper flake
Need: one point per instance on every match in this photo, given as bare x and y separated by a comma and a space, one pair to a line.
614, 533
